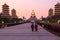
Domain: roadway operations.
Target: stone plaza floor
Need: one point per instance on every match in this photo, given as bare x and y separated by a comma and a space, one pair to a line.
23, 32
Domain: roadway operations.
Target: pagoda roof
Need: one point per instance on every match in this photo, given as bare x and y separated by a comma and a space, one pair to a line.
5, 5
57, 3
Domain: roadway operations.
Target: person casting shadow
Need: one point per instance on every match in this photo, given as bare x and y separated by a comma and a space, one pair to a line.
34, 27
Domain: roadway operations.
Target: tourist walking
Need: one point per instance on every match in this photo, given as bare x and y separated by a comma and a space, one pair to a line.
34, 27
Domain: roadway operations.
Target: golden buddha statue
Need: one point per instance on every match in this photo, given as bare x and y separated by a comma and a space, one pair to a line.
33, 13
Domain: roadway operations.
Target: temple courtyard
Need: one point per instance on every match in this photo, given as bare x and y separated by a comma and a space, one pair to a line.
23, 32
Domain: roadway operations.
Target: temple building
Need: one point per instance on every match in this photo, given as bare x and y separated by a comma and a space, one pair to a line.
50, 14
57, 12
33, 16
13, 11
5, 11
57, 9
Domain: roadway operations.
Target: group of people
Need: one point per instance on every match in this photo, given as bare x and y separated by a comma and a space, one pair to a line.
34, 26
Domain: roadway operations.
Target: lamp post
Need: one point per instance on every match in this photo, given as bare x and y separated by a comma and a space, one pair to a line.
14, 21
2, 24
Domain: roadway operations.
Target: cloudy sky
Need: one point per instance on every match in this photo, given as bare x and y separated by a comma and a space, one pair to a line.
24, 7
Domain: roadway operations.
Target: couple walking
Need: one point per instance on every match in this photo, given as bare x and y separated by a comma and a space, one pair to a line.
34, 26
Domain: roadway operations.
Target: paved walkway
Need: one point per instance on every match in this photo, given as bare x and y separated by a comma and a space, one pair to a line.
23, 32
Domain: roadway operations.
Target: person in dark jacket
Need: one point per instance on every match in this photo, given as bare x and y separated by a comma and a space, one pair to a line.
36, 27
32, 27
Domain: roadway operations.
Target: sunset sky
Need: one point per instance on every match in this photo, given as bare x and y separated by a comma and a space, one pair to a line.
24, 7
